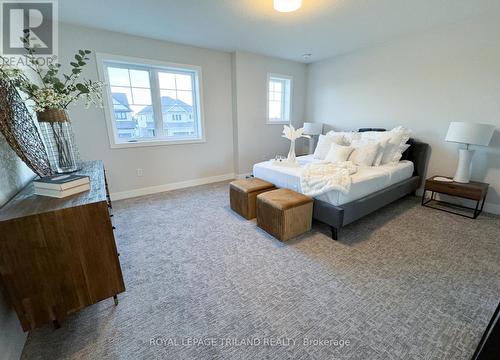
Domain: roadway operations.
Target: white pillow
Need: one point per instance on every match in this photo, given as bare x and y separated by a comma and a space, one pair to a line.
364, 153
324, 144
402, 149
374, 135
397, 138
338, 153
380, 153
348, 136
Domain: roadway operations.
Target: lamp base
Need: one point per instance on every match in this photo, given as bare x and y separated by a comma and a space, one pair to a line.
464, 166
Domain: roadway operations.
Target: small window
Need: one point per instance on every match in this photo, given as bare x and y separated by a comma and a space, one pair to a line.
149, 101
279, 99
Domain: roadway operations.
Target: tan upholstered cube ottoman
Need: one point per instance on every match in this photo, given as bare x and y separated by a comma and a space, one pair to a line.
284, 213
243, 194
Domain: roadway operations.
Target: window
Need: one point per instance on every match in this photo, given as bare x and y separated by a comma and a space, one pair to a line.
120, 115
151, 103
279, 99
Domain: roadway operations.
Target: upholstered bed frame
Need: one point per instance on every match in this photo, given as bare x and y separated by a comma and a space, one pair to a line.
339, 216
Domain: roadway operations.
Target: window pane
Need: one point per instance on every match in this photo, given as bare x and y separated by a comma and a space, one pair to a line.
277, 86
275, 96
123, 114
172, 94
118, 77
127, 92
132, 120
179, 119
141, 96
184, 82
139, 78
275, 110
145, 122
167, 80
186, 97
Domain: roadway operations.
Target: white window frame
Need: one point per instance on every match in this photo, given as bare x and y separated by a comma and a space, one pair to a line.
284, 103
114, 141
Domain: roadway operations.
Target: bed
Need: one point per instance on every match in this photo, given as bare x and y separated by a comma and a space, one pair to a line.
371, 188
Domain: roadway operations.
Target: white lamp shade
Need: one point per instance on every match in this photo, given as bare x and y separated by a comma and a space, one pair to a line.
470, 133
313, 128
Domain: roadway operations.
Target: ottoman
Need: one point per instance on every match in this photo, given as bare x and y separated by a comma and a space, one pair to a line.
243, 194
284, 213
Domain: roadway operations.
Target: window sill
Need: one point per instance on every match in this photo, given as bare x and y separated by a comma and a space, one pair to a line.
277, 122
146, 143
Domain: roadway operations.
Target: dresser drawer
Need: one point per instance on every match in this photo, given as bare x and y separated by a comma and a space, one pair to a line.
468, 191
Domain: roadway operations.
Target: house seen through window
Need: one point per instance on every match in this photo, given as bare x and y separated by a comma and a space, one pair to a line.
151, 103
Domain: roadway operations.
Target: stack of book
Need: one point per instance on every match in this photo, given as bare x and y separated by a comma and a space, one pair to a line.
60, 186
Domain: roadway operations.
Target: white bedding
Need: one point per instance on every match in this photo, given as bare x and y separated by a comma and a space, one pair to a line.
367, 180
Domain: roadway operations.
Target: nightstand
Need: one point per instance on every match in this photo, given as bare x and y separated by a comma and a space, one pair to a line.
473, 190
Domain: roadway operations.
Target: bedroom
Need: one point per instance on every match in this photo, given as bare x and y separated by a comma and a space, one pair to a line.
401, 281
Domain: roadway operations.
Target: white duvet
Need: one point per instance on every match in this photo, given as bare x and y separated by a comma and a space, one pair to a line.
321, 177
367, 179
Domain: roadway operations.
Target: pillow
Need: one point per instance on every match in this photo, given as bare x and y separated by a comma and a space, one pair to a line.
380, 153
398, 156
404, 148
338, 153
324, 144
364, 153
348, 136
374, 135
397, 138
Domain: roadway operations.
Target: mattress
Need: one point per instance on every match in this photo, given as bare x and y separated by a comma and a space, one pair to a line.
367, 180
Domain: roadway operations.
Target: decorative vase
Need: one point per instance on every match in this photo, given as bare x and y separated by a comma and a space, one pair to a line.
58, 137
291, 153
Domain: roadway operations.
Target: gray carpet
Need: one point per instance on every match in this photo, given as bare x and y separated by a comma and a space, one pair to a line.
404, 283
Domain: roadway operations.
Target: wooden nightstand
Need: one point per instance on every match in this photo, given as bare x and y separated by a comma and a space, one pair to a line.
473, 190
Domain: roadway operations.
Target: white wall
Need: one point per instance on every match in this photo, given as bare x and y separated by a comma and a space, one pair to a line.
255, 140
423, 83
14, 175
161, 164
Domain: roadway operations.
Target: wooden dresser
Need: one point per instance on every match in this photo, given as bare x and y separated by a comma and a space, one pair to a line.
59, 255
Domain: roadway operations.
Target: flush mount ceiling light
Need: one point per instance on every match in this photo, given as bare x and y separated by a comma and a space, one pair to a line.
287, 5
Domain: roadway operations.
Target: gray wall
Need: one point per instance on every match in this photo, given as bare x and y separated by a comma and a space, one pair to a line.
161, 164
255, 140
422, 82
14, 175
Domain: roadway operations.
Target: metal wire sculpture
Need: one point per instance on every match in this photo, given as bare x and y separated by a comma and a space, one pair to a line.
20, 131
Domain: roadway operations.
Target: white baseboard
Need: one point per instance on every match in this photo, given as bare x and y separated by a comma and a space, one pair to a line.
488, 207
168, 187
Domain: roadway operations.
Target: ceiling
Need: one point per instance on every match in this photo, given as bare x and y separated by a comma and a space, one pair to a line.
323, 28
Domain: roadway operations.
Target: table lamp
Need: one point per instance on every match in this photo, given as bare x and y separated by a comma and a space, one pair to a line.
469, 134
312, 129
